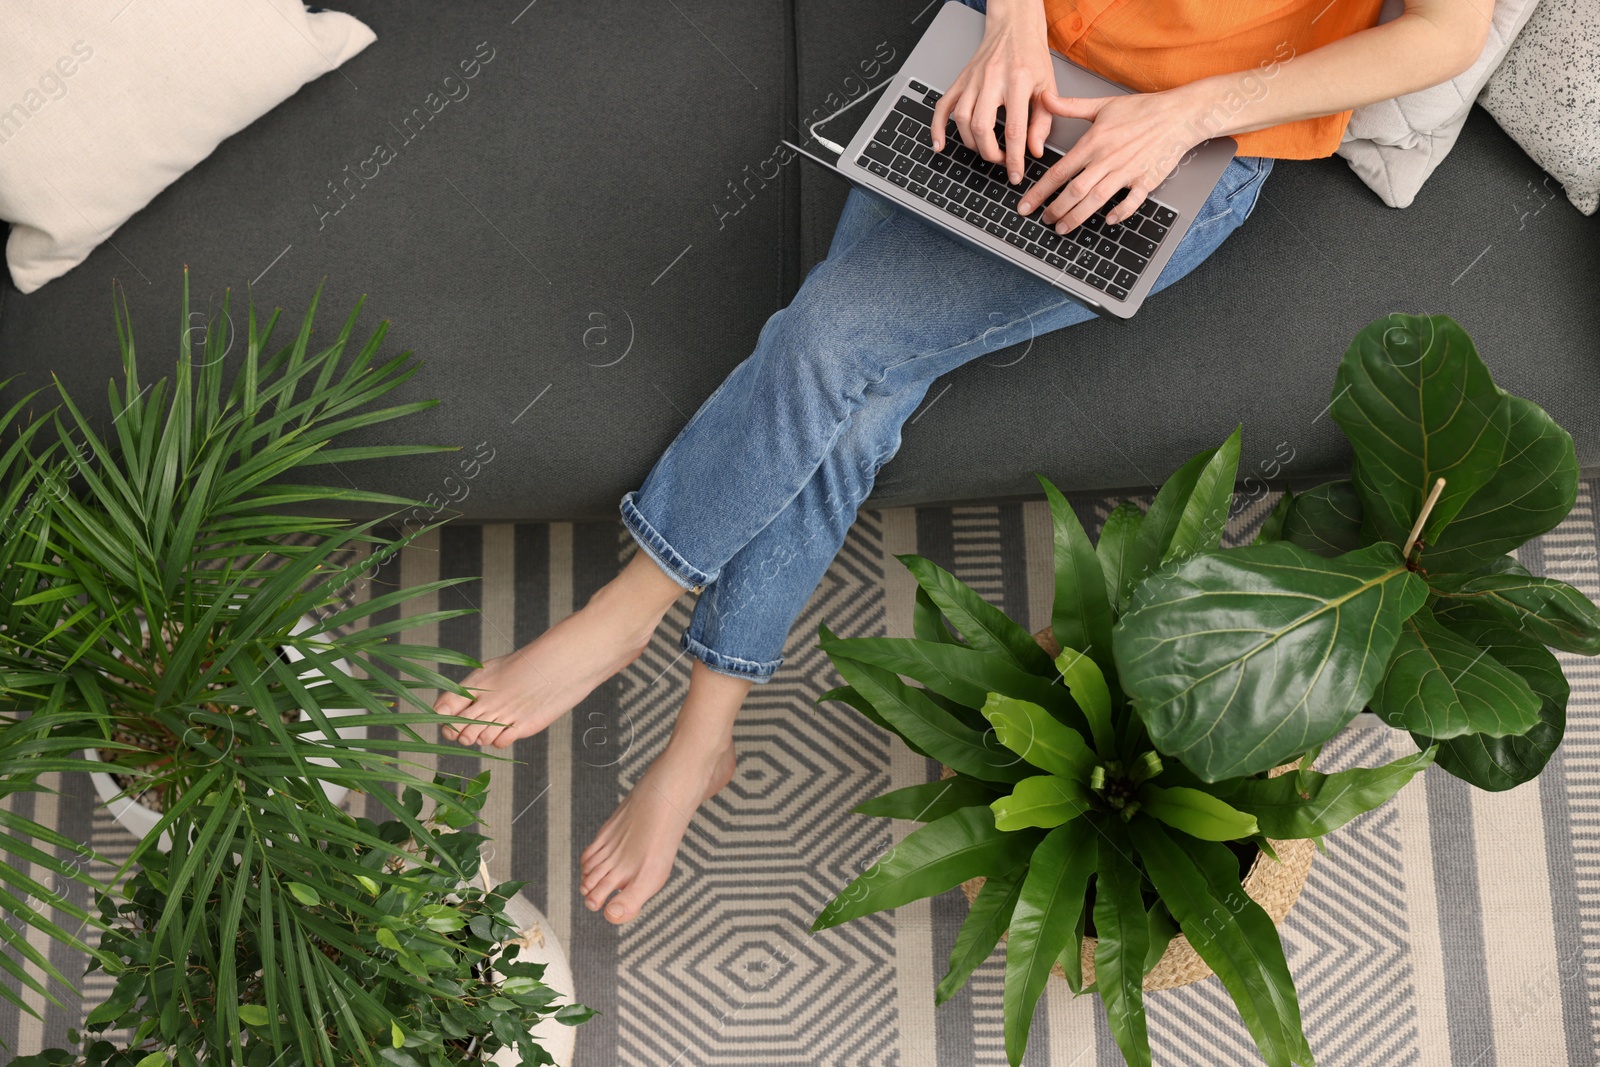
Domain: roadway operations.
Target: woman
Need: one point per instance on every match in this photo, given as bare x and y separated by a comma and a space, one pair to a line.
753, 499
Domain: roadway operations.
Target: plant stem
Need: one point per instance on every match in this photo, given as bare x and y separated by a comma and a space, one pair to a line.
1422, 518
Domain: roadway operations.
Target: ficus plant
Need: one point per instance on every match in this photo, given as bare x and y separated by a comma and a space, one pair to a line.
1120, 787
418, 962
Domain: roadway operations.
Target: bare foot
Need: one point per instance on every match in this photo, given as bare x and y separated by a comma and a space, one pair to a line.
632, 854
522, 693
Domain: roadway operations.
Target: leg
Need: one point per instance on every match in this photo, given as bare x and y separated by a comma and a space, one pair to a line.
741, 621
527, 690
632, 854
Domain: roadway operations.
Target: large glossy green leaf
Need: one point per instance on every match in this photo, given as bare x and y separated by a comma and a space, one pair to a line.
987, 920
1243, 658
931, 729
1043, 923
962, 674
1036, 736
931, 860
1205, 514
930, 800
1417, 404
1199, 882
1043, 800
1122, 927
1548, 610
1117, 535
985, 626
1443, 686
1196, 813
1498, 763
1534, 488
1080, 613
1326, 520
1310, 803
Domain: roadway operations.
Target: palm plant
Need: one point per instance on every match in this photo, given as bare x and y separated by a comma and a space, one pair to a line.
149, 581
1116, 788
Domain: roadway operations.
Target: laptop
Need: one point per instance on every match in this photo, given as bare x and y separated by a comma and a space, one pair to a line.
1109, 268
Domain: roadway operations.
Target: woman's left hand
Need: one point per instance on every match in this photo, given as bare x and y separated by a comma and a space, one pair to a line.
1134, 142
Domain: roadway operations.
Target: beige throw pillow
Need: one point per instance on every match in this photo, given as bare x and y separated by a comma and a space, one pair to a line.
104, 103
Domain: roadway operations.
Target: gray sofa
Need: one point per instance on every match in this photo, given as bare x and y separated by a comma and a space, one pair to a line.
581, 247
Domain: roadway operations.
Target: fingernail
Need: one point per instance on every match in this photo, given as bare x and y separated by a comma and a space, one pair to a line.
615, 911
1024, 207
1015, 177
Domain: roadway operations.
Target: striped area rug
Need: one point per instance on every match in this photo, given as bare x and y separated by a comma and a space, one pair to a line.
1449, 929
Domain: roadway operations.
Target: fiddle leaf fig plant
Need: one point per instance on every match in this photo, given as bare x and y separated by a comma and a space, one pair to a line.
1471, 669
1120, 788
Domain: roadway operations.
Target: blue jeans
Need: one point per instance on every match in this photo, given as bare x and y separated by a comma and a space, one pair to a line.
752, 500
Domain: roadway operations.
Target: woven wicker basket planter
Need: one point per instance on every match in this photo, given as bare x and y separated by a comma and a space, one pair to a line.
1273, 885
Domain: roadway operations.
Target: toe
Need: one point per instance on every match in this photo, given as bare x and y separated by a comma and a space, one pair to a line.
626, 904
604, 886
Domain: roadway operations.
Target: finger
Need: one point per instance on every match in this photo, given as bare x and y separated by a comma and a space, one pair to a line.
1130, 203
962, 113
1102, 191
1038, 127
941, 114
1041, 190
1016, 132
984, 111
1073, 107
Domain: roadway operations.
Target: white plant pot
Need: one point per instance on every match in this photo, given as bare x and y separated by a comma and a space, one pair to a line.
140, 820
538, 944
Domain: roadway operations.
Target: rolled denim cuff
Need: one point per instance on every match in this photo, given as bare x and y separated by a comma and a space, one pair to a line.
678, 569
732, 666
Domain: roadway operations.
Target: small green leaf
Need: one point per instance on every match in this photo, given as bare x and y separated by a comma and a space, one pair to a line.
1080, 614
155, 1059
1196, 813
1043, 923
981, 932
1310, 803
1122, 926
1035, 735
1272, 526
304, 893
253, 1015
930, 800
388, 940
931, 860
1326, 520
1044, 801
397, 1036
1087, 685
1205, 514
1117, 535
986, 627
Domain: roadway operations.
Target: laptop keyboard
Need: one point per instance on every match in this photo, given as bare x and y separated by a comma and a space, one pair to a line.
961, 183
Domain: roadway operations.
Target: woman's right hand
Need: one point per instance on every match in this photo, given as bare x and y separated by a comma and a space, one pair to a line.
1011, 67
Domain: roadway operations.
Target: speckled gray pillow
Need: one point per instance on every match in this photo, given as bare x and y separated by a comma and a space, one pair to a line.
1393, 145
1546, 95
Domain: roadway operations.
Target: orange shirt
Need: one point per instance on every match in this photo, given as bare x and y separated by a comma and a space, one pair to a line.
1150, 45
